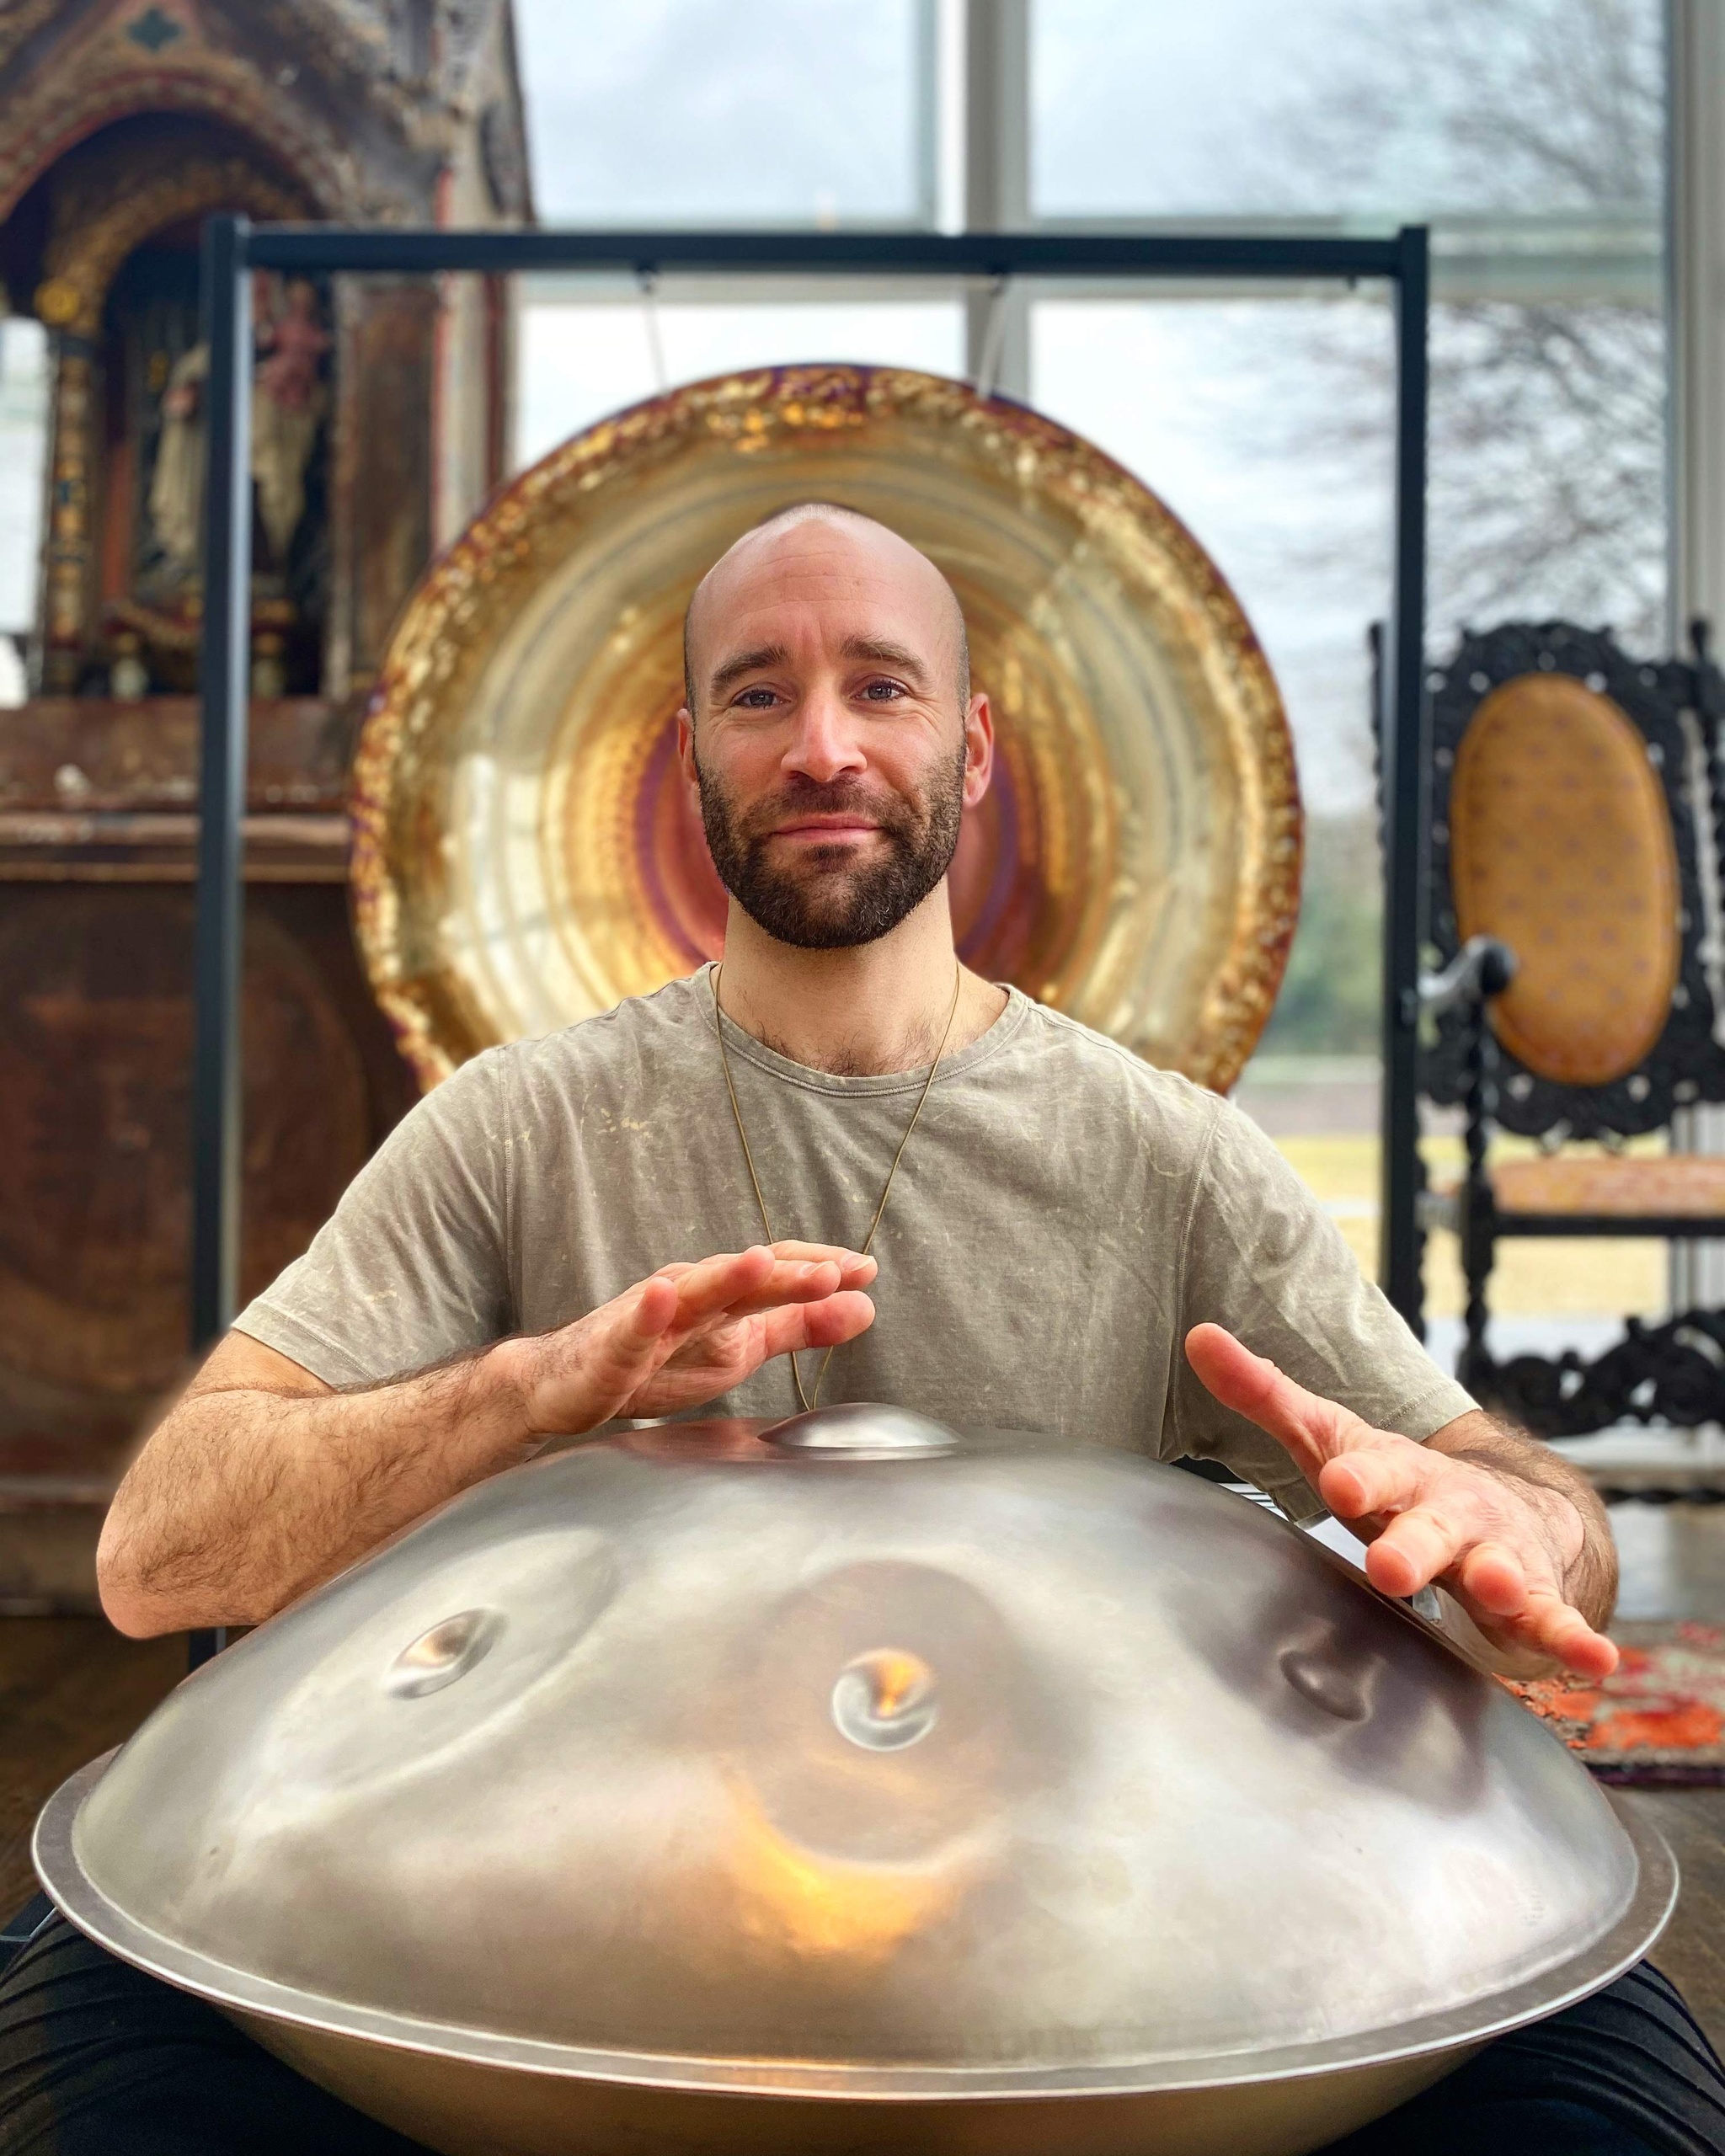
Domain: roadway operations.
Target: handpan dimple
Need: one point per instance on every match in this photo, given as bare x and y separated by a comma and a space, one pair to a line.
885, 1700
447, 1650
1316, 1676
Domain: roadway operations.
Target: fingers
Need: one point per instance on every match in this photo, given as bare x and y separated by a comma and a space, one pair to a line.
740, 1282
1565, 1634
1499, 1592
827, 1324
625, 1337
1550, 1627
1377, 1480
713, 1282
571, 1379
854, 1270
785, 1283
1502, 1589
1313, 1430
755, 1281
848, 1260
1413, 1550
1494, 1584
1494, 1579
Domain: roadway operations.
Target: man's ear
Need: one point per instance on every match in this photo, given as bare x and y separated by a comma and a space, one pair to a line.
979, 749
685, 749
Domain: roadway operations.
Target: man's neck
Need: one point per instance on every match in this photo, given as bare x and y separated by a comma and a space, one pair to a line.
858, 1012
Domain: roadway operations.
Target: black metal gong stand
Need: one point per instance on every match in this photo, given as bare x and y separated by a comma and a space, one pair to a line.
233, 248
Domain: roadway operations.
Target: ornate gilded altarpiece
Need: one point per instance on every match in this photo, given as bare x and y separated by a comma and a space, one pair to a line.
123, 124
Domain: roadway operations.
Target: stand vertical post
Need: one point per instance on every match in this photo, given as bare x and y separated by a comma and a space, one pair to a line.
216, 1134
1403, 775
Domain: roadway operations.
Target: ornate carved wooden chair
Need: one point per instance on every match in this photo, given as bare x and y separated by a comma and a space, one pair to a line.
1569, 831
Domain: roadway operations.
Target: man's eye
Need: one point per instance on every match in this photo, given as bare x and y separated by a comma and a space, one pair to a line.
756, 700
881, 692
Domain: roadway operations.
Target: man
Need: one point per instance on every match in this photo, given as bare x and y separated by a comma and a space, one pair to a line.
1062, 1238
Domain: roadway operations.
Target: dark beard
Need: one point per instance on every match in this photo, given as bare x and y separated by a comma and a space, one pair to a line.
832, 905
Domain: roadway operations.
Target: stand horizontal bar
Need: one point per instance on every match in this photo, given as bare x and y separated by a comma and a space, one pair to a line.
406, 250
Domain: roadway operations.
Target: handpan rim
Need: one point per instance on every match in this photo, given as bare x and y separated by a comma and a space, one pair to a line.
1625, 1943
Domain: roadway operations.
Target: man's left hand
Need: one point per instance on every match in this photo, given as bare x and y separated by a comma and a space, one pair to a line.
1507, 1548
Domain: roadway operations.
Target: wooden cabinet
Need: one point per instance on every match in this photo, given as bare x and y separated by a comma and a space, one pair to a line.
96, 912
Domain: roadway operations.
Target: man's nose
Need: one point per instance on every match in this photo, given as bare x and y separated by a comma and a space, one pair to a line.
825, 743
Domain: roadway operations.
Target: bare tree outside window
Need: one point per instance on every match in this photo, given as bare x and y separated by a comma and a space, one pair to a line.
1543, 144
1540, 148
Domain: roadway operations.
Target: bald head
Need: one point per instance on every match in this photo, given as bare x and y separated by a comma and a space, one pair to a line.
831, 759
808, 549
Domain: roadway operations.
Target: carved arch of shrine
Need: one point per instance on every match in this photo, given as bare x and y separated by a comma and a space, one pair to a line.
68, 109
81, 265
110, 205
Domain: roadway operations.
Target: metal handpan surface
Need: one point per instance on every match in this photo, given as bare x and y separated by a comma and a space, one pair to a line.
524, 853
855, 1786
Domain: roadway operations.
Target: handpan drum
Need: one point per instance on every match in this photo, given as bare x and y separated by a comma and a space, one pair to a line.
847, 1784
524, 853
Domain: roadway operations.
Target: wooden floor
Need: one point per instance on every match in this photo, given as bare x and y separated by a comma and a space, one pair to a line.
1692, 1952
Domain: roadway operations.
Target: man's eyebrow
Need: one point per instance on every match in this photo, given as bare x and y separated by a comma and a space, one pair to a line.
746, 662
884, 655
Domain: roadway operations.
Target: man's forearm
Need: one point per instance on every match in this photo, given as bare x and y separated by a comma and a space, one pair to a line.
1590, 1556
308, 1483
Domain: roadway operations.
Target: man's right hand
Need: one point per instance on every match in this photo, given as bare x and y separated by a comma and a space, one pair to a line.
261, 1481
688, 1333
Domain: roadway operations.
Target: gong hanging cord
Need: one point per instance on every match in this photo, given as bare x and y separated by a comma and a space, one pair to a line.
648, 280
994, 339
808, 1403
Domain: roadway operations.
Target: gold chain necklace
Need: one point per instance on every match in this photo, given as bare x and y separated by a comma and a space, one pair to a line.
749, 1158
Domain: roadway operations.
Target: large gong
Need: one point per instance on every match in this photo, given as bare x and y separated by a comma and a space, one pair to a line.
525, 855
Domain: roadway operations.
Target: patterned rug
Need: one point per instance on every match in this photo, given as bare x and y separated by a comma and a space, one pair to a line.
1658, 1720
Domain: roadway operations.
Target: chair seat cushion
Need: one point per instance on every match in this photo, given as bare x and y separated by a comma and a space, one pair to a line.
1691, 1185
1561, 843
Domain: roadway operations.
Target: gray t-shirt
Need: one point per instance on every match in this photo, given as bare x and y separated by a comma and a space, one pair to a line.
1062, 1216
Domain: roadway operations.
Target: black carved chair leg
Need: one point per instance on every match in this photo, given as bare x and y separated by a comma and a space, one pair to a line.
1478, 1238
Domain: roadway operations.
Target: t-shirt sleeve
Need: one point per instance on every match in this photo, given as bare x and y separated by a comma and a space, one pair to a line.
412, 1266
1264, 1259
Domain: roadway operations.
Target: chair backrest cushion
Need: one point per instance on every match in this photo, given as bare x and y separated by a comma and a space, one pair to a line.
1561, 844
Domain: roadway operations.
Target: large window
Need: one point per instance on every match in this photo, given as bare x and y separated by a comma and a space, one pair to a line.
583, 356
1531, 134
704, 112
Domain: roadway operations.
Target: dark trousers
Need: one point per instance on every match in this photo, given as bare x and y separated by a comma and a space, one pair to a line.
97, 2059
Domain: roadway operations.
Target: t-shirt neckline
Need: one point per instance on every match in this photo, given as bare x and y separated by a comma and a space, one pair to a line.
744, 1045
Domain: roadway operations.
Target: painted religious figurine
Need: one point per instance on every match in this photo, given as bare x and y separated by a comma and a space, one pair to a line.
288, 401
176, 484
287, 410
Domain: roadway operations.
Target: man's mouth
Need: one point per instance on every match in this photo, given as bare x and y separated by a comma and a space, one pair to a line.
818, 829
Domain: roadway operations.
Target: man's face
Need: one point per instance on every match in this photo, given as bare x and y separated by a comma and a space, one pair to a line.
831, 755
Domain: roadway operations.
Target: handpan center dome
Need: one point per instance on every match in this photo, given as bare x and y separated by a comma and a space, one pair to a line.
525, 854
697, 1760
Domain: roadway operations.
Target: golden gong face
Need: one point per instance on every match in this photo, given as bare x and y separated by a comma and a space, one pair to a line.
525, 854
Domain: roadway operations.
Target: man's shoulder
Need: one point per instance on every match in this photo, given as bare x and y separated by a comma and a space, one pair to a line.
1089, 1069
642, 1034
